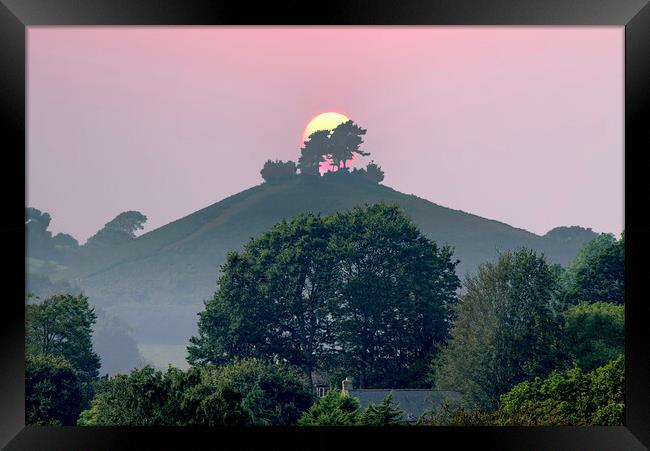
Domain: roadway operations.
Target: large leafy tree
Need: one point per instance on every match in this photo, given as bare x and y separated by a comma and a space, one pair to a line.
597, 273
394, 293
362, 291
506, 329
593, 334
61, 325
272, 300
52, 391
345, 141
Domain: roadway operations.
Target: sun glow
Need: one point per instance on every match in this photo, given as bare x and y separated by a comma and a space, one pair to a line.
324, 121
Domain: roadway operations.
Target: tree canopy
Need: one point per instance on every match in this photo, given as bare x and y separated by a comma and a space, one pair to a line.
506, 328
52, 391
247, 392
61, 325
333, 409
362, 291
597, 273
593, 334
570, 398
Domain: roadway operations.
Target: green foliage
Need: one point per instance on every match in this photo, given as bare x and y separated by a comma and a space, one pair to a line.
61, 325
147, 397
506, 328
272, 299
597, 273
248, 392
570, 398
333, 409
52, 391
277, 171
137, 399
593, 334
362, 290
119, 230
394, 293
273, 394
383, 414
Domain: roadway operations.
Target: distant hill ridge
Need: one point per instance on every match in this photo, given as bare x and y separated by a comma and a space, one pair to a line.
157, 282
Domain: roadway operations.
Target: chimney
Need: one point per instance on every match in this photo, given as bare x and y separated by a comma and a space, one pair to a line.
347, 385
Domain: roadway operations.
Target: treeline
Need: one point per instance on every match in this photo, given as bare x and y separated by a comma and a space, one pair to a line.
531, 342
361, 294
63, 249
337, 146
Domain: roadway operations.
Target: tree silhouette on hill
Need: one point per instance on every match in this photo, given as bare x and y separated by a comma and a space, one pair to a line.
278, 170
344, 143
339, 146
313, 153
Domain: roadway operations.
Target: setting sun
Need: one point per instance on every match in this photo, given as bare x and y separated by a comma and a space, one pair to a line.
324, 121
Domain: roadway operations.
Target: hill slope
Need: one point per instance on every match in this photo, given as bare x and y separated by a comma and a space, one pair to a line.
158, 281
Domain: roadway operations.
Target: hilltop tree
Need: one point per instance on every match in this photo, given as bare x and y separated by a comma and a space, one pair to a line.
506, 329
374, 172
276, 171
313, 153
345, 141
119, 230
61, 325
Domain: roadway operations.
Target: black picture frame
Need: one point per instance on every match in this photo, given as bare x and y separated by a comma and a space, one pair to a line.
16, 15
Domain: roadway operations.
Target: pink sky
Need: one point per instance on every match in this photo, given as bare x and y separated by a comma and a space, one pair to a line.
519, 124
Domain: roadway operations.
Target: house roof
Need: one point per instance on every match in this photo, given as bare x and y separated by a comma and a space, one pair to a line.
412, 401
